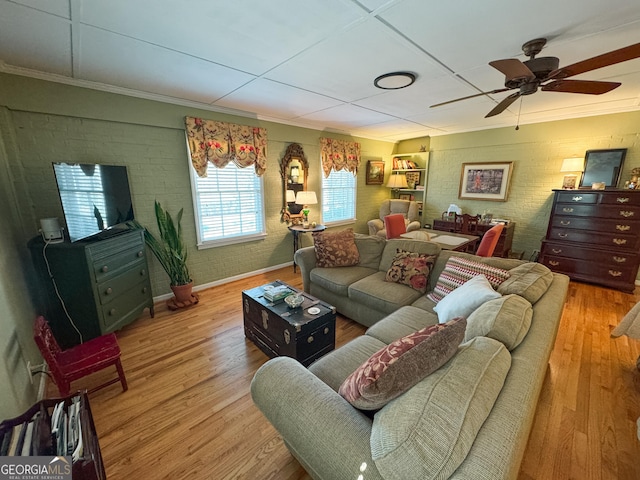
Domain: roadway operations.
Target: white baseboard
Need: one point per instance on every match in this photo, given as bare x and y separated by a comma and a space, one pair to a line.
204, 286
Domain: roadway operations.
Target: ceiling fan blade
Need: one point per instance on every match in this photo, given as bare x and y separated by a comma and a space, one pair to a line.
500, 90
512, 69
604, 60
580, 86
503, 105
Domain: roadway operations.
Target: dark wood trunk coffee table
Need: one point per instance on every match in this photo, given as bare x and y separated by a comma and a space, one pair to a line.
305, 333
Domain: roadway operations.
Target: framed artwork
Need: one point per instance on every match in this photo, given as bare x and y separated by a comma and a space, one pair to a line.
375, 172
485, 181
405, 196
413, 179
603, 166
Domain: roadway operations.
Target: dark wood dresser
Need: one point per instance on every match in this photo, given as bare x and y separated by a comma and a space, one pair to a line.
594, 236
506, 237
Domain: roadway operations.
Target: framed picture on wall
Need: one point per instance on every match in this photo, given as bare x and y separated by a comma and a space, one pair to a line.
485, 181
603, 166
405, 196
375, 172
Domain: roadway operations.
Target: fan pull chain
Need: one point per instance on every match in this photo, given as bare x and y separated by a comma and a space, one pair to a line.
519, 108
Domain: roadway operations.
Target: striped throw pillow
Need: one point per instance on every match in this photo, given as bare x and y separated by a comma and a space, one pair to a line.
459, 270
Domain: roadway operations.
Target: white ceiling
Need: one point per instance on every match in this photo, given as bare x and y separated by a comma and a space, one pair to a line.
312, 63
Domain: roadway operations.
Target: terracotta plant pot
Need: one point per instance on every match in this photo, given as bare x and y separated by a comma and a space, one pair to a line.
182, 292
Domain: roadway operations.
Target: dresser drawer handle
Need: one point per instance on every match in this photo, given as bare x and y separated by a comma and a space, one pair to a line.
619, 259
615, 273
576, 199
104, 269
626, 213
144, 289
567, 209
619, 241
553, 263
287, 337
140, 254
563, 235
265, 319
326, 330
112, 312
623, 228
108, 291
310, 339
556, 250
246, 305
622, 199
565, 222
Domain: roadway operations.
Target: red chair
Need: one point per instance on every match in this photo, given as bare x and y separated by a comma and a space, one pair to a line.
395, 225
489, 241
76, 362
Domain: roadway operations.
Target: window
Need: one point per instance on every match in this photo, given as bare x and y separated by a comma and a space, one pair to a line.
228, 204
338, 197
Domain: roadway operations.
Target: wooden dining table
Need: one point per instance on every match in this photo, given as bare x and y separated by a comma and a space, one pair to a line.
447, 241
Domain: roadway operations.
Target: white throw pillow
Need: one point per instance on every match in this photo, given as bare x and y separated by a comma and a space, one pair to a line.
462, 301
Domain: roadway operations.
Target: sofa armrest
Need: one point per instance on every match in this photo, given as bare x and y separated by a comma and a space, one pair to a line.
305, 258
375, 226
415, 225
323, 431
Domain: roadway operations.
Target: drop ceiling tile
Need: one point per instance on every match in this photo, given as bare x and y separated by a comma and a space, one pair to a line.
347, 116
257, 96
122, 61
32, 39
345, 65
243, 34
55, 7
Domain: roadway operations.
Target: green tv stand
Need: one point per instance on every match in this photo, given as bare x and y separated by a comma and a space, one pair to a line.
103, 284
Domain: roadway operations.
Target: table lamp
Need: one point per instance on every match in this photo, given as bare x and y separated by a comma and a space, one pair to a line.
397, 182
306, 198
576, 165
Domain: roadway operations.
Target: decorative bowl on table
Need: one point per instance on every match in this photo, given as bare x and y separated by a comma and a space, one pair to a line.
294, 300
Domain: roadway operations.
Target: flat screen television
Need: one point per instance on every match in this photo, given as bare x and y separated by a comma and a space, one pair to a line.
96, 199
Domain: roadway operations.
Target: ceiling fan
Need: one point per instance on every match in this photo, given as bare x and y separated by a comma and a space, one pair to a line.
534, 73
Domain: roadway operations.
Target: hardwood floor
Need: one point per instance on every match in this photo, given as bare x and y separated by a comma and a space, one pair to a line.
188, 412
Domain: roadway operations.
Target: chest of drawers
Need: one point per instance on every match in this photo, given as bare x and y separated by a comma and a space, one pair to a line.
102, 284
594, 236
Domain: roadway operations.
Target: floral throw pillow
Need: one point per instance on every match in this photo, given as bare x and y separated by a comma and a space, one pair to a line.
336, 249
459, 270
410, 268
396, 368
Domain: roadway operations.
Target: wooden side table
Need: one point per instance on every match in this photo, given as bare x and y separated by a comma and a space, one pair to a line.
297, 230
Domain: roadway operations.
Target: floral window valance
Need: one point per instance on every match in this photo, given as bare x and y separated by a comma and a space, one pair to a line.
339, 155
220, 143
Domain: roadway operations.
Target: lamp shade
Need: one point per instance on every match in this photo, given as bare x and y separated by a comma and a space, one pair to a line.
574, 164
306, 198
291, 196
397, 181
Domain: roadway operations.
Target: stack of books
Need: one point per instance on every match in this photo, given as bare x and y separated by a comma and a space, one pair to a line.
277, 293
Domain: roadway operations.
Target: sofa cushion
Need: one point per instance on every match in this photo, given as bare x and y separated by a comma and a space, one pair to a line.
383, 296
506, 319
465, 299
336, 366
529, 280
412, 269
336, 249
402, 322
458, 270
370, 249
337, 280
392, 245
428, 432
397, 367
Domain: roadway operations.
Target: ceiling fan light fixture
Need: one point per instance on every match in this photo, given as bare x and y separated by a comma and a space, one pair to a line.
394, 80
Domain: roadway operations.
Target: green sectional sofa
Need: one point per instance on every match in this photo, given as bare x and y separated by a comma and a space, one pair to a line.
469, 419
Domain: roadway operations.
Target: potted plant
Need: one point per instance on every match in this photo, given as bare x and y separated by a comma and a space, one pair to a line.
171, 252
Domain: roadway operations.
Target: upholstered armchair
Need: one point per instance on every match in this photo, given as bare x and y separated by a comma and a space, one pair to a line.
388, 207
